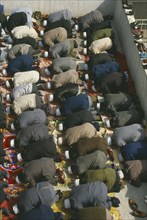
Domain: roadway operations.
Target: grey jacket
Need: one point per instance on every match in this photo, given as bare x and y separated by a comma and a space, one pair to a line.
97, 159
63, 64
28, 118
30, 134
43, 193
40, 169
90, 195
20, 78
26, 88
126, 134
61, 49
58, 15
19, 49
87, 20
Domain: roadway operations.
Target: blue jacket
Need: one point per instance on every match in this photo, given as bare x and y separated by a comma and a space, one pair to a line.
105, 68
43, 212
75, 104
134, 151
42, 194
90, 195
20, 64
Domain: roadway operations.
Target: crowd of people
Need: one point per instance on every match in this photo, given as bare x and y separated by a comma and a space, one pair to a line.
47, 65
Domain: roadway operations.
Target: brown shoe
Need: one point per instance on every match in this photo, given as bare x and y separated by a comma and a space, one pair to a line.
139, 214
145, 61
133, 205
144, 48
140, 48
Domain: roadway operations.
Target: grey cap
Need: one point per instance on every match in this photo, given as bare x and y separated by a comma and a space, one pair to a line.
49, 86
8, 97
4, 72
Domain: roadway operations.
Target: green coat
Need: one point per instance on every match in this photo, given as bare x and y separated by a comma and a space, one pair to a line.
107, 32
106, 175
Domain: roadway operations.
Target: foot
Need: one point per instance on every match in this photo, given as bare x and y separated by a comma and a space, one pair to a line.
5, 174
5, 211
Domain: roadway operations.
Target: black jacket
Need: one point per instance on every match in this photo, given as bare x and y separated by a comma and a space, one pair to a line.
31, 134
39, 149
66, 91
26, 40
116, 102
100, 58
16, 19
114, 82
78, 118
61, 23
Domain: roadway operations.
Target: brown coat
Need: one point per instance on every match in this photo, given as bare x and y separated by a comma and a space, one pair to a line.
55, 35
70, 76
73, 134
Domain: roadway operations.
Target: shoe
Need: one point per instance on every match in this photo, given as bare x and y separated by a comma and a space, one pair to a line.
139, 47
137, 37
139, 214
61, 180
130, 12
145, 61
125, 6
133, 205
136, 32
145, 66
128, 2
144, 48
60, 173
110, 153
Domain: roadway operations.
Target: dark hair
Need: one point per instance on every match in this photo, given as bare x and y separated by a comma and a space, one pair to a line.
22, 177
117, 185
96, 125
11, 83
75, 44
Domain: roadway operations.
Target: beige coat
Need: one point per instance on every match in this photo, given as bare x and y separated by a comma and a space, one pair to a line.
55, 35
25, 77
73, 134
70, 76
23, 103
100, 45
24, 31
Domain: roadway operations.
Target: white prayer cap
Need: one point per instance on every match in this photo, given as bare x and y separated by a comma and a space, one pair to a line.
69, 170
67, 154
77, 182
51, 97
12, 127
19, 157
